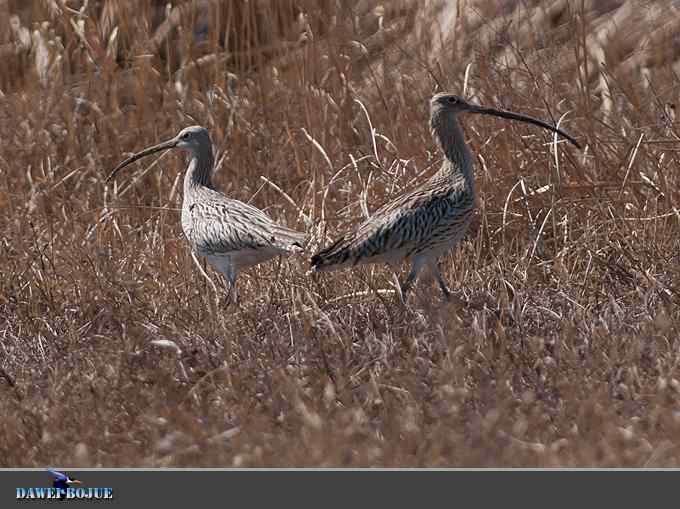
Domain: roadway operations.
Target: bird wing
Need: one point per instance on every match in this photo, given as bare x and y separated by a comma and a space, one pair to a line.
221, 225
403, 225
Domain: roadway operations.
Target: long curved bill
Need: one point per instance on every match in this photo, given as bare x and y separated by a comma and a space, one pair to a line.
147, 151
522, 118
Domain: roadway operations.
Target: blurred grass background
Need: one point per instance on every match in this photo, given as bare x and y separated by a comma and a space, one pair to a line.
561, 347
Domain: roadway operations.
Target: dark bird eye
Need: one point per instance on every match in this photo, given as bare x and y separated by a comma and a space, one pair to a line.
185, 136
453, 100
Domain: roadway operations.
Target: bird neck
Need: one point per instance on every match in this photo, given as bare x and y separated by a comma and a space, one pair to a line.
451, 139
200, 170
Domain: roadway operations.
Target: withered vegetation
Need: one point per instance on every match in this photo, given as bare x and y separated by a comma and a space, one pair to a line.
561, 346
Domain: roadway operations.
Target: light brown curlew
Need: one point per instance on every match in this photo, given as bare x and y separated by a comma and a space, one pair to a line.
430, 220
232, 235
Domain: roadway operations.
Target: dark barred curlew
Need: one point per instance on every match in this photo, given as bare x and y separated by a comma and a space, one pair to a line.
232, 235
427, 222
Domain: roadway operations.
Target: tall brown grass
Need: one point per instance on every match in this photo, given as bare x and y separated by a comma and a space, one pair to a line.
560, 348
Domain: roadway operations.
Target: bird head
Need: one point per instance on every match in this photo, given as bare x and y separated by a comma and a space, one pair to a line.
192, 138
195, 139
444, 106
448, 103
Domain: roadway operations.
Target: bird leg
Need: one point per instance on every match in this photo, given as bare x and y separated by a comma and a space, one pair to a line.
232, 296
434, 268
417, 264
230, 273
399, 292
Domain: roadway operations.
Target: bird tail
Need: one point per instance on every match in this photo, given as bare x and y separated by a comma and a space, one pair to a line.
333, 257
291, 240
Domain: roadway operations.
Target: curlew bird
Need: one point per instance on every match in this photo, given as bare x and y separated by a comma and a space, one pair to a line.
428, 221
232, 235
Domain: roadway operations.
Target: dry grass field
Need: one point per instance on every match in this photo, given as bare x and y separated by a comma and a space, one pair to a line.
561, 347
